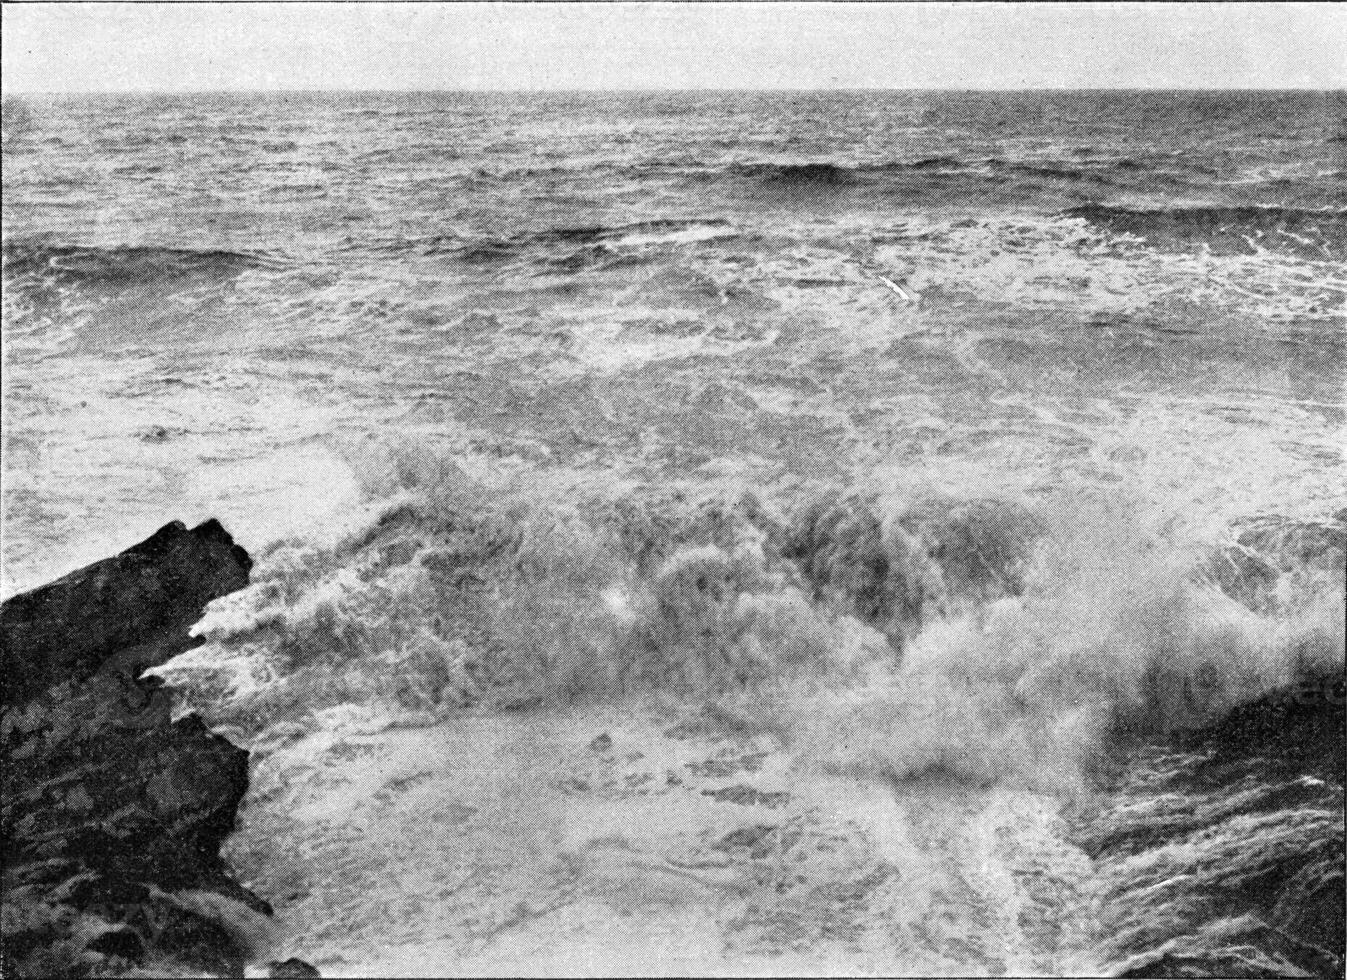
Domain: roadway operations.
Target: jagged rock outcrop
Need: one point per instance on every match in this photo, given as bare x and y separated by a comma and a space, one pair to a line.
1222, 850
113, 813
1222, 853
136, 607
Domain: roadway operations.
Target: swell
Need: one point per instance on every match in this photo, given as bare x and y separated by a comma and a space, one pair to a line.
598, 239
938, 173
1315, 232
48, 264
795, 175
935, 174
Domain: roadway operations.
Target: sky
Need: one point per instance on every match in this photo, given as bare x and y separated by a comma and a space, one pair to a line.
70, 47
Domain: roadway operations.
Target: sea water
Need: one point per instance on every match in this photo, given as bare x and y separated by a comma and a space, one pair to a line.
904, 425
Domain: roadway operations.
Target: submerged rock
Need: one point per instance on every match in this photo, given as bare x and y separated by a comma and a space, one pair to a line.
292, 969
114, 814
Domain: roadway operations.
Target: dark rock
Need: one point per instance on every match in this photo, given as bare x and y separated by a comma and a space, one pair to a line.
113, 814
1300, 729
120, 941
125, 792
1258, 795
138, 605
292, 969
602, 743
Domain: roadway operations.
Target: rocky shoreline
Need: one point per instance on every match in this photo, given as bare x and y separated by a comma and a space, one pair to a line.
511, 840
1222, 852
114, 813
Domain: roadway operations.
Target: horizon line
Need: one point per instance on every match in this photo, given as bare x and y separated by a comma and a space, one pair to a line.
7, 92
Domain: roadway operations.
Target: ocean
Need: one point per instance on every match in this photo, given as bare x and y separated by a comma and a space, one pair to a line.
969, 457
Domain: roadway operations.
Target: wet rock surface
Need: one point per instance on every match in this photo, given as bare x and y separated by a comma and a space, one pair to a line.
114, 813
135, 608
292, 969
1222, 852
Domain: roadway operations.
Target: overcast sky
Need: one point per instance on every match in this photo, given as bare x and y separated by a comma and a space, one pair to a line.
171, 47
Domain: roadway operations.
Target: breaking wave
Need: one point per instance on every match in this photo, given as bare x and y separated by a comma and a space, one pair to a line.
1178, 700
983, 640
874, 303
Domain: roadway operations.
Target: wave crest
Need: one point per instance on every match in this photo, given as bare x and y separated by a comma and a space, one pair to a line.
1309, 232
123, 265
976, 639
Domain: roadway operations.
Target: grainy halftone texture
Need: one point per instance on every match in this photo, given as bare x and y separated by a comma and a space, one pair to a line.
717, 533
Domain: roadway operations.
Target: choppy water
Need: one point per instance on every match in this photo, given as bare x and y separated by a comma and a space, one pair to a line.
944, 401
